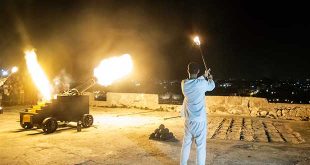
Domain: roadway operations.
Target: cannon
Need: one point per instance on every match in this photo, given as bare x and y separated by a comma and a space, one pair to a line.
69, 106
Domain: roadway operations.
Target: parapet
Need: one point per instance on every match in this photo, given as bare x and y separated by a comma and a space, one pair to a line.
216, 105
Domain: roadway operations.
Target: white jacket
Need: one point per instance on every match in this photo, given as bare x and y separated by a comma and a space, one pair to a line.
194, 103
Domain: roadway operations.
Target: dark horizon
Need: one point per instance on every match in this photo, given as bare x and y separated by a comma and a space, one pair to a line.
241, 39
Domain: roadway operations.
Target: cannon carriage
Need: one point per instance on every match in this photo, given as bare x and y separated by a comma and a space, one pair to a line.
70, 106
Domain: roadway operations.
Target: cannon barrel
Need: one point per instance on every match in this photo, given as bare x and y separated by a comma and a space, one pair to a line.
81, 88
86, 85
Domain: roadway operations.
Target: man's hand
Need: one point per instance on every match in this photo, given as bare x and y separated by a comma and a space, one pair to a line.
207, 72
210, 77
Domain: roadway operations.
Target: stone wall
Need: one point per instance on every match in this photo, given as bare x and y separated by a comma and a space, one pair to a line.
217, 105
133, 100
256, 107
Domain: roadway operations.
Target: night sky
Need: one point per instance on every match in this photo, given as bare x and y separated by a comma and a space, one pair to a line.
250, 40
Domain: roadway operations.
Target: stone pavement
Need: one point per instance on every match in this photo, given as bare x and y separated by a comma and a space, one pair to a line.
121, 136
252, 129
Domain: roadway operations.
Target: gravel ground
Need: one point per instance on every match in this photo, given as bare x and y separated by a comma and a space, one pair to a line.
121, 136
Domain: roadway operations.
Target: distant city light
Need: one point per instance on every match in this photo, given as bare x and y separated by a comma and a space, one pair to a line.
254, 92
225, 85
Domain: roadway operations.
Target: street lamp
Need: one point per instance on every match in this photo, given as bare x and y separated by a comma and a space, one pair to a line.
5, 73
14, 69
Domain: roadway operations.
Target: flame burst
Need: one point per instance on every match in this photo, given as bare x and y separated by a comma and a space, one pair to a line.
38, 76
197, 41
112, 69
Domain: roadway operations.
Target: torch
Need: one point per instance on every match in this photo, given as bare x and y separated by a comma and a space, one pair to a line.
197, 42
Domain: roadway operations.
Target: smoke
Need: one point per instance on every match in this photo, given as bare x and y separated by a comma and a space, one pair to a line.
102, 33
62, 82
76, 36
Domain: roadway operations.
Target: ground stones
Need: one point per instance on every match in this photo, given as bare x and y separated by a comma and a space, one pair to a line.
251, 129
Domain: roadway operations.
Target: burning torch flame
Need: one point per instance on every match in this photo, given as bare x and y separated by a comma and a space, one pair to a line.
37, 74
112, 69
197, 41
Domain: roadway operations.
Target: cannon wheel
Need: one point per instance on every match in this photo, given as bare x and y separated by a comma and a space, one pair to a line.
87, 120
49, 125
26, 125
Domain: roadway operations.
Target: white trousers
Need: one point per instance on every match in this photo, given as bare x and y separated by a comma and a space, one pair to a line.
198, 132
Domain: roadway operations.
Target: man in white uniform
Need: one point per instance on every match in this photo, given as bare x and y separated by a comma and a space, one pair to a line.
194, 111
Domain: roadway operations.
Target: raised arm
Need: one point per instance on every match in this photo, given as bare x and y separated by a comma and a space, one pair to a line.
209, 84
